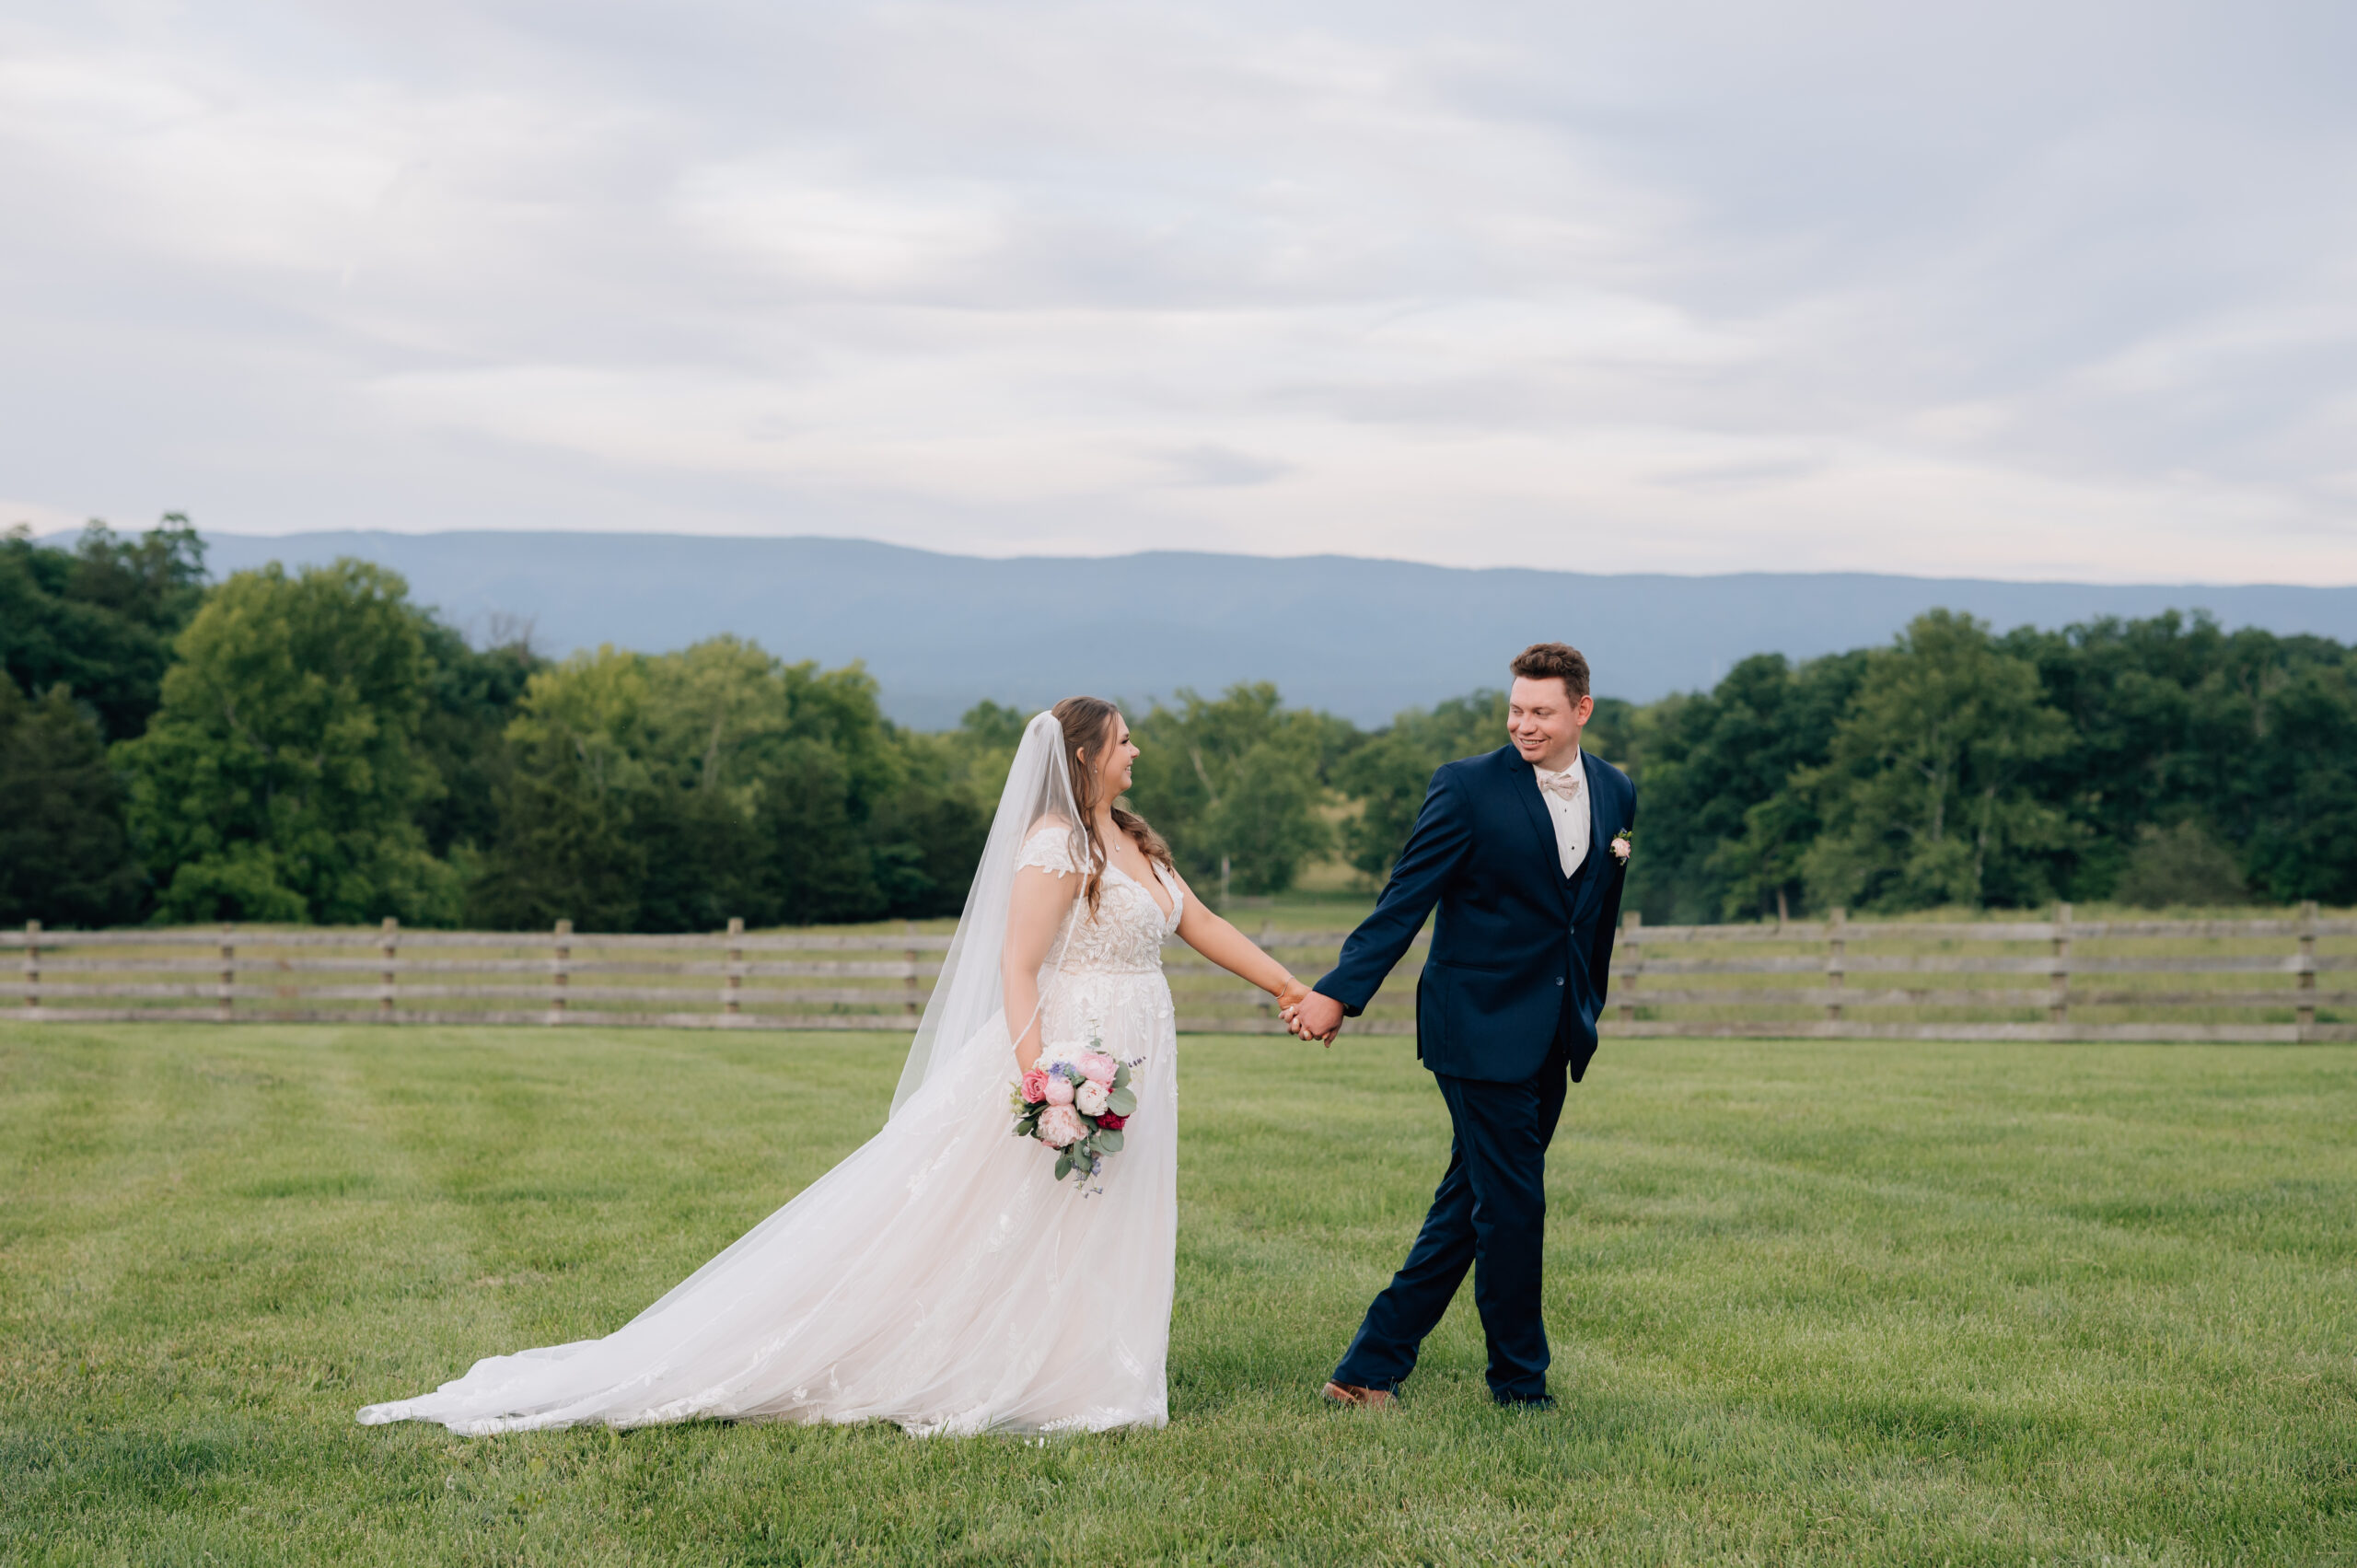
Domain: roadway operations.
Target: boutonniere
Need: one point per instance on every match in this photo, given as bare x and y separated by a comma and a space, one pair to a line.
1620, 846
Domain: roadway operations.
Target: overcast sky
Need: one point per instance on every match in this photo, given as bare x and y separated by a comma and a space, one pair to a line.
2023, 290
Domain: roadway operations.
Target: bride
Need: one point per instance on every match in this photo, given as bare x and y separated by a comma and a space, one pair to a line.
941, 1277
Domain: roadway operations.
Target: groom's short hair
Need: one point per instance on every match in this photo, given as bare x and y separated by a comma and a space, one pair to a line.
1554, 661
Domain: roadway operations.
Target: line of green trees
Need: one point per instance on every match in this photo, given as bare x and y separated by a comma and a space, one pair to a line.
313, 747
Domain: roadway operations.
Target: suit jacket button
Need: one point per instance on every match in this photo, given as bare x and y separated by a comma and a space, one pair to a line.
1559, 979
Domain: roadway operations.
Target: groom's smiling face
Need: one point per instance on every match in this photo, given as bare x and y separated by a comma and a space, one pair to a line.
1545, 721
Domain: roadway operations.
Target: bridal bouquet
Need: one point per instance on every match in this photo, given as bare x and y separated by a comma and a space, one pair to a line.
1077, 1108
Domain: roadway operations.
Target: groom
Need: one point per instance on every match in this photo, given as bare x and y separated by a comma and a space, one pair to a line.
1521, 850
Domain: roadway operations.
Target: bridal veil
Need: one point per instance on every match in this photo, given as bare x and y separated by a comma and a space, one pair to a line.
968, 990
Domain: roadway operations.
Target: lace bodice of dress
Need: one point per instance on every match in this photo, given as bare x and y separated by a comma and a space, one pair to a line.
1126, 934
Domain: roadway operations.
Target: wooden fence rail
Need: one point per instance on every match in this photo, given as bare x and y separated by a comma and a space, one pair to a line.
2053, 980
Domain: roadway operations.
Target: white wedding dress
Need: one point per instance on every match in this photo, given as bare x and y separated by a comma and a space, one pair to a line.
940, 1277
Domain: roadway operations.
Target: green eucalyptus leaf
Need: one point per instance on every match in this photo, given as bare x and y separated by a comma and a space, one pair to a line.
1110, 1142
1123, 1102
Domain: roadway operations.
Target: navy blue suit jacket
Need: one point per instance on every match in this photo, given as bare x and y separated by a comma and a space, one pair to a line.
1521, 955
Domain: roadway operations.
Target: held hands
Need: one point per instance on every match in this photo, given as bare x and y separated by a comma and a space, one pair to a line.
1291, 996
1311, 1015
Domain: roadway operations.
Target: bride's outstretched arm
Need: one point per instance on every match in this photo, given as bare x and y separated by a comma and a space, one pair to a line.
1215, 939
1035, 911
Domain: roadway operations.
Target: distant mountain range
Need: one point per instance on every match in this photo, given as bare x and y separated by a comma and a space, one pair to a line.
1360, 638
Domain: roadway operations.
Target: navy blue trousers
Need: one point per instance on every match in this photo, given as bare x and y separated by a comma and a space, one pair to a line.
1489, 1214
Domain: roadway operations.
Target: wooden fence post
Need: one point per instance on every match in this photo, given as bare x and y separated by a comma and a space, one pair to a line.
1837, 963
1631, 923
2307, 1014
916, 995
736, 965
224, 1000
389, 944
1267, 936
32, 964
560, 972
2058, 1005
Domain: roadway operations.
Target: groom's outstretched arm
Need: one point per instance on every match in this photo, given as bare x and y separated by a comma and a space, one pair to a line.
1442, 834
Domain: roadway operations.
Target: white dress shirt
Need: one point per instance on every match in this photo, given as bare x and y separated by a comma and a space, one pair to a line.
1572, 826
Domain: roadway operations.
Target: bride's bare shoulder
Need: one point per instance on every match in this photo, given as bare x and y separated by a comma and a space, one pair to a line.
1051, 822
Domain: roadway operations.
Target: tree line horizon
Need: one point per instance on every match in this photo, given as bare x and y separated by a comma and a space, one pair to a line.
313, 747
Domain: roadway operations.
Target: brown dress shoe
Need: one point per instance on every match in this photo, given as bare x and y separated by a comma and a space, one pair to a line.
1365, 1398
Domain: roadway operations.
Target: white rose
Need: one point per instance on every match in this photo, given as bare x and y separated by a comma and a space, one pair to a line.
1090, 1097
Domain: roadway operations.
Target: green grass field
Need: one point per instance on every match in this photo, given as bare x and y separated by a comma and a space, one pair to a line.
1825, 1302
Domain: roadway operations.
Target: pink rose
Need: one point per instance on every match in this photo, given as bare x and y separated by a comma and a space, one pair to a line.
1090, 1097
1058, 1090
1061, 1127
1098, 1068
1035, 1087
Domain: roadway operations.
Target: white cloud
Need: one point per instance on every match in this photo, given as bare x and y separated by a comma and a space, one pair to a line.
2028, 291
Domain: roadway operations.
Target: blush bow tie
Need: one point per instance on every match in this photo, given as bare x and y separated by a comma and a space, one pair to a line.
1566, 784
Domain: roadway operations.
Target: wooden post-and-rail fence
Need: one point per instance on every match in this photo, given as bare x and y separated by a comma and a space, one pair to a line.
2058, 978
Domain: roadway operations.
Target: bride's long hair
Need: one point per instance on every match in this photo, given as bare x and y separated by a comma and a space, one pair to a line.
1087, 723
